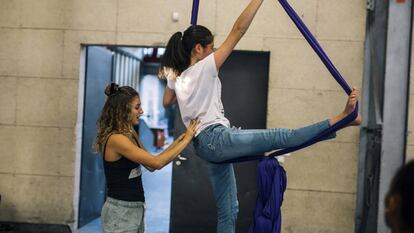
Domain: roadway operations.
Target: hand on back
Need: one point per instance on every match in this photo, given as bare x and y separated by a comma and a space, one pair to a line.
191, 129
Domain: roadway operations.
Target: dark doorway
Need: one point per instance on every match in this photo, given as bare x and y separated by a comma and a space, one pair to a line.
244, 79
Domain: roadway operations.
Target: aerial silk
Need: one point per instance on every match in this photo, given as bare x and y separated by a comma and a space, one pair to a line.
194, 12
271, 185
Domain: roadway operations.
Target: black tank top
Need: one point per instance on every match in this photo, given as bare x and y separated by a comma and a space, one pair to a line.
123, 178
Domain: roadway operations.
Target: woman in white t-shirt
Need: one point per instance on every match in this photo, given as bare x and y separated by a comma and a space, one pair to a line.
191, 66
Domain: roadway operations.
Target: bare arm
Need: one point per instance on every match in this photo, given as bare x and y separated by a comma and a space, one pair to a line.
169, 97
123, 146
239, 29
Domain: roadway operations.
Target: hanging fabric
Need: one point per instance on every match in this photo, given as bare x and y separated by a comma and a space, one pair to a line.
194, 12
271, 185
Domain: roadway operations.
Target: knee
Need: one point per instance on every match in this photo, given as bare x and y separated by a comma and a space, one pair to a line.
235, 211
291, 137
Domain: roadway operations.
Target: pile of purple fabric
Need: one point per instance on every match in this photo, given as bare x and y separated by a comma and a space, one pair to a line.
271, 185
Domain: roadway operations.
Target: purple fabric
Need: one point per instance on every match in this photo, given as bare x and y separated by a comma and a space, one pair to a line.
335, 73
271, 183
194, 12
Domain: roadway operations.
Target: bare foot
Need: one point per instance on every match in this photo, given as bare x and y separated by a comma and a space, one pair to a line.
357, 121
349, 108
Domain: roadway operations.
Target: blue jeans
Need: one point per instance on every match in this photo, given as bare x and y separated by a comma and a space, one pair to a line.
218, 143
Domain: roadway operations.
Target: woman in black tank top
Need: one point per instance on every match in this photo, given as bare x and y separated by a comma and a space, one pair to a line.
123, 156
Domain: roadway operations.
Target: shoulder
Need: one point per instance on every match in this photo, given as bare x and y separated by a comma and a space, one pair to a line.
207, 65
121, 144
208, 60
117, 139
210, 65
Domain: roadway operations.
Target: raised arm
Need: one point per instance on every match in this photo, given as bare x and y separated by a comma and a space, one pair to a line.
239, 29
122, 145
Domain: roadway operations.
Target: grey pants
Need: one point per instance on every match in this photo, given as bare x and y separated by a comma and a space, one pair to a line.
123, 216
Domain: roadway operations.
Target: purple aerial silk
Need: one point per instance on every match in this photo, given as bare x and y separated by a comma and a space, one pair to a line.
194, 12
271, 183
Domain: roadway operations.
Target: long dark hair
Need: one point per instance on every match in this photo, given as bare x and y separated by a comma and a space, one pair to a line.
177, 55
115, 115
403, 184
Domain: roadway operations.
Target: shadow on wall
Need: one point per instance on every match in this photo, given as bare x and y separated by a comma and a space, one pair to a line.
8, 211
9, 227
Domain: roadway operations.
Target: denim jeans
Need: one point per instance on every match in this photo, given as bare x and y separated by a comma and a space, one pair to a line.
217, 143
123, 216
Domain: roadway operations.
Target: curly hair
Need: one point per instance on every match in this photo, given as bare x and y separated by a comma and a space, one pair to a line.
115, 116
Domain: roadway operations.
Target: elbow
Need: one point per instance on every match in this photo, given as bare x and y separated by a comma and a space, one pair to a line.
158, 165
166, 104
153, 165
239, 29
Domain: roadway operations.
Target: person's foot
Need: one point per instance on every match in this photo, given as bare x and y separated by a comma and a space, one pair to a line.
357, 121
349, 108
351, 105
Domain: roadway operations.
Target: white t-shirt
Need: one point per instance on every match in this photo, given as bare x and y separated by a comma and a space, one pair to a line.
198, 91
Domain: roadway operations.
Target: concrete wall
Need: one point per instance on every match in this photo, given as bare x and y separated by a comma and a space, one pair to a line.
410, 137
40, 50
